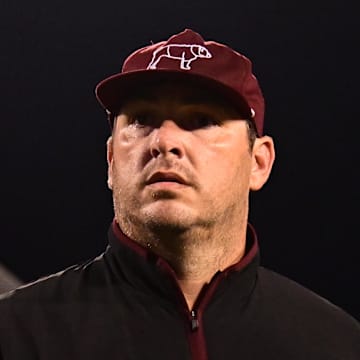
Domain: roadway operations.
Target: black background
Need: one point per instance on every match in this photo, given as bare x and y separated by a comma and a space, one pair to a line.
55, 205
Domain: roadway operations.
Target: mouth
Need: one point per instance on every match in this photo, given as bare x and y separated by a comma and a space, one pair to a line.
166, 177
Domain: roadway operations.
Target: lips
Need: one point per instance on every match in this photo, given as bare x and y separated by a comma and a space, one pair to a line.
160, 176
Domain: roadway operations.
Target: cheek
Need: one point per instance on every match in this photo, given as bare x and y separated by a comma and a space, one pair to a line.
227, 166
128, 145
222, 141
129, 136
123, 165
229, 145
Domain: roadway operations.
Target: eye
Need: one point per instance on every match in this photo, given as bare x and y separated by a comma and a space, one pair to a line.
141, 119
203, 120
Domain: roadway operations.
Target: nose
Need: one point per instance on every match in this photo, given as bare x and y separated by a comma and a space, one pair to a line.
167, 140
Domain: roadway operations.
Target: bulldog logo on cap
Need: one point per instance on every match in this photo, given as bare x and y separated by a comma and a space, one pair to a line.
185, 53
228, 72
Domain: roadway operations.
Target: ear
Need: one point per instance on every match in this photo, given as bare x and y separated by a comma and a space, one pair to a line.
263, 156
109, 157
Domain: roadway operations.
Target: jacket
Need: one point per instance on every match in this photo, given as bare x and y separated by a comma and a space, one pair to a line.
126, 304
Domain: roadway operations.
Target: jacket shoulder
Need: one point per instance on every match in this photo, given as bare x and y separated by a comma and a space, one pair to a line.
58, 286
301, 311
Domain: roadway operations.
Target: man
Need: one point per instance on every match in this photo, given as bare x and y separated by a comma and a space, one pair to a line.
180, 278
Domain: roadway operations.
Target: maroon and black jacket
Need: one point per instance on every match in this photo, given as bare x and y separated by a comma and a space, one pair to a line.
126, 304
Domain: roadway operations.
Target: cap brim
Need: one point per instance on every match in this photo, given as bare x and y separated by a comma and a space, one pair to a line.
114, 90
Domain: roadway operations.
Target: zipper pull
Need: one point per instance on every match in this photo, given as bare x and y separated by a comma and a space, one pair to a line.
194, 320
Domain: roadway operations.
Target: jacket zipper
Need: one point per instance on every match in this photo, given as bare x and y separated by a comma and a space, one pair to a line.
194, 320
196, 336
196, 333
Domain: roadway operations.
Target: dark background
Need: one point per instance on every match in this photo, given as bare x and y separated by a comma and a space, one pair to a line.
55, 206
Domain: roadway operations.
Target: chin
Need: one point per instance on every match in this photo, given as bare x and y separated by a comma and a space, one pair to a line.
168, 216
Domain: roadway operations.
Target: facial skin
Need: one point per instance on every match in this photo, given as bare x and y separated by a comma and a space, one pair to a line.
181, 169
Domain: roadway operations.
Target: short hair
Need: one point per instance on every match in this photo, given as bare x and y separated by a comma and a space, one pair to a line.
252, 132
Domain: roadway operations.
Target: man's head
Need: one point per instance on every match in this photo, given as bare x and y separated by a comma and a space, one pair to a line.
179, 158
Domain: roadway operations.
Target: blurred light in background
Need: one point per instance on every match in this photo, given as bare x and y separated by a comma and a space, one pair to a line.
8, 281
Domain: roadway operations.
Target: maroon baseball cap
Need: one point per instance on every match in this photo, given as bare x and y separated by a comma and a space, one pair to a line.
187, 56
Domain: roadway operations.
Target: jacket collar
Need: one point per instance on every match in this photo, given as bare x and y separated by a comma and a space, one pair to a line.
145, 271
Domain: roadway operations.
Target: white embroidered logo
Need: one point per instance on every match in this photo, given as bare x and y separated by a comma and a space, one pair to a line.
185, 53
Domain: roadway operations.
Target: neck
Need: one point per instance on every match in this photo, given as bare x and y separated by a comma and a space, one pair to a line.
197, 255
193, 276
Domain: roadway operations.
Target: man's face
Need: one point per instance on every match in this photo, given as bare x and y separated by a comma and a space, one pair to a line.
179, 158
